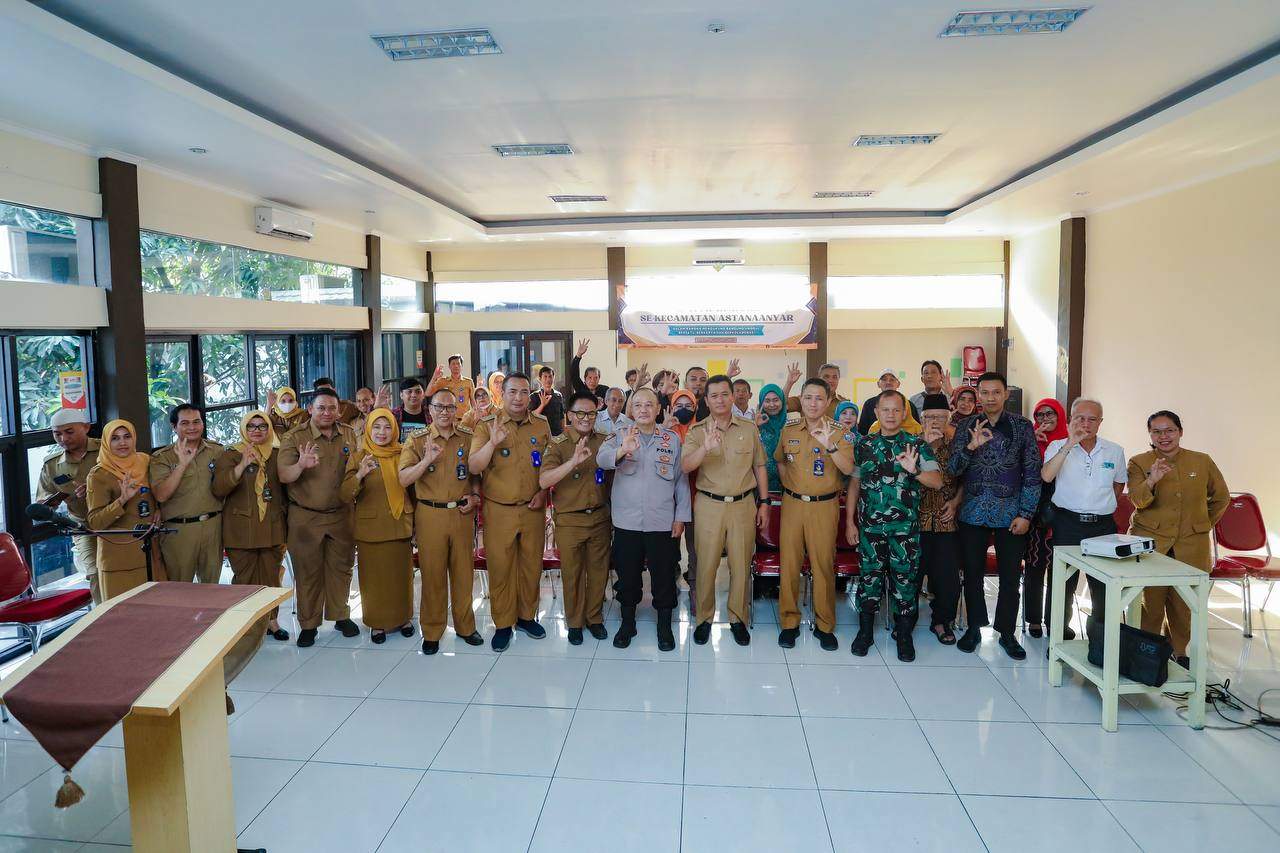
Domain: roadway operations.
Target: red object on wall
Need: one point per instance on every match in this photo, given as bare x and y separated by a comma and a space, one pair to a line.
975, 362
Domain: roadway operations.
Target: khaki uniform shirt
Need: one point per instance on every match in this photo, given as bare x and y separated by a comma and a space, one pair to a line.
194, 495
443, 482
241, 526
1184, 505
579, 500
57, 467
348, 412
797, 452
729, 470
373, 519
462, 388
281, 426
317, 488
511, 477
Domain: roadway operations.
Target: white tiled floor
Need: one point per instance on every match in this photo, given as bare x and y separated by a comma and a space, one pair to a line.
356, 747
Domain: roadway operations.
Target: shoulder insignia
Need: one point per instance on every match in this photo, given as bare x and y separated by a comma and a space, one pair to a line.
465, 430
745, 421
421, 431
559, 439
793, 418
537, 416
292, 430
488, 418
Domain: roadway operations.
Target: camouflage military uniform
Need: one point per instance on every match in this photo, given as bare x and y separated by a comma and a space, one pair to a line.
889, 531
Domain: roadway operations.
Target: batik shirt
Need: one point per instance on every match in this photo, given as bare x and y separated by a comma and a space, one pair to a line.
1001, 479
890, 497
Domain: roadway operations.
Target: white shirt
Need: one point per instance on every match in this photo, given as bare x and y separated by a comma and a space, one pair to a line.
1085, 482
608, 425
749, 414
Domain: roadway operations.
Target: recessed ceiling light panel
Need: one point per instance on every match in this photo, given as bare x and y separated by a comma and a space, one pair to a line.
540, 150
844, 194
576, 199
1011, 22
880, 140
440, 45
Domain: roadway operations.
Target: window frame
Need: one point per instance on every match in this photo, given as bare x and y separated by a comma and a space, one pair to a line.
428, 357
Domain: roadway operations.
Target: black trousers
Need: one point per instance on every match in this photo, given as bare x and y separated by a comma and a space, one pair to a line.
632, 551
940, 562
1068, 529
1009, 550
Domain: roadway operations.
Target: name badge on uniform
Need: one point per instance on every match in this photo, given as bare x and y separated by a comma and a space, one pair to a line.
536, 458
462, 470
210, 466
819, 468
599, 476
144, 509
790, 457
266, 493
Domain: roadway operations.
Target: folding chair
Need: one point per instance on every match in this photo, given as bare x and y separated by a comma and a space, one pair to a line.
1242, 528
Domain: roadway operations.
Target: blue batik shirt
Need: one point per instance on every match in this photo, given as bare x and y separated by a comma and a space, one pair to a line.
1001, 478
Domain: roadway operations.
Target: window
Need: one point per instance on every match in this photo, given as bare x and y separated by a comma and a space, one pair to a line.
402, 294
173, 264
346, 365
915, 291
39, 245
41, 358
404, 354
522, 296
271, 365
168, 383
313, 354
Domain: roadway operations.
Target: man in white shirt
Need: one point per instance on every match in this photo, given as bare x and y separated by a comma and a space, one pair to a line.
1088, 474
742, 407
611, 419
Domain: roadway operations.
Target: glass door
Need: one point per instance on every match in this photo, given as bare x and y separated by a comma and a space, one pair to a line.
548, 349
521, 351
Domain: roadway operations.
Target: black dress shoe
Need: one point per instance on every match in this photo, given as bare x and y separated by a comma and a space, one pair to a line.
278, 634
473, 639
741, 635
306, 637
787, 637
970, 640
598, 631
347, 627
430, 647
1012, 647
1035, 631
826, 640
702, 633
501, 639
575, 636
531, 628
406, 630
378, 637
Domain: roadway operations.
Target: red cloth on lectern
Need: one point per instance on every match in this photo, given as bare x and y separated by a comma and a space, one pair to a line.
74, 698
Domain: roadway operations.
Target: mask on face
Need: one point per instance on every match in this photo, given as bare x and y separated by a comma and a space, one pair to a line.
683, 415
286, 406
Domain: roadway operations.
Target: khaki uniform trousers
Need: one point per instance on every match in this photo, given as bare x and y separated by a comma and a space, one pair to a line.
446, 559
257, 566
84, 554
808, 528
194, 552
584, 565
514, 539
1163, 610
323, 553
719, 528
386, 583
121, 581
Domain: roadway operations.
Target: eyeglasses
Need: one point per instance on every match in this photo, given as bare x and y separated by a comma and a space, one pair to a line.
439, 408
256, 427
1164, 432
584, 416
1045, 414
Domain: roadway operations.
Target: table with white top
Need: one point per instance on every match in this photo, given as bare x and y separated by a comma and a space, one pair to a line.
1125, 580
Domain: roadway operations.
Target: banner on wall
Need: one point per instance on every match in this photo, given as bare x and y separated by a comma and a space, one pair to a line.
783, 326
72, 387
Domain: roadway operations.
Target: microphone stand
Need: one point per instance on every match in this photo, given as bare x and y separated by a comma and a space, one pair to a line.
145, 535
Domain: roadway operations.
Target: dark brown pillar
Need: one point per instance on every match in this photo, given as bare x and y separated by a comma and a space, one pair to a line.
432, 354
371, 298
1002, 333
122, 346
616, 264
1070, 308
818, 277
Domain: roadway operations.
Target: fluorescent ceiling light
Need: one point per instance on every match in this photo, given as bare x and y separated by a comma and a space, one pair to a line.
1011, 22
441, 45
876, 140
558, 148
576, 199
844, 194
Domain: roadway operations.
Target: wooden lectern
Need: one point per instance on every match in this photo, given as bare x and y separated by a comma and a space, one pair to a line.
177, 754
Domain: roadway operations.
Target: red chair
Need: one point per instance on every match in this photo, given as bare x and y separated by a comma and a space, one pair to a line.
1124, 512
1242, 528
22, 607
767, 562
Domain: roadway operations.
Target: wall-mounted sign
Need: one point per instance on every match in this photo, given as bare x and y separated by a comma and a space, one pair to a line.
788, 321
74, 391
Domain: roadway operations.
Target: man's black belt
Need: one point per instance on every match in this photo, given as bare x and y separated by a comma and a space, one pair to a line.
727, 498
194, 519
1082, 517
810, 498
445, 505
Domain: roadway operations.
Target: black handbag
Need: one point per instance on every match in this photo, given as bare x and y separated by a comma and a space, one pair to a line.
1144, 657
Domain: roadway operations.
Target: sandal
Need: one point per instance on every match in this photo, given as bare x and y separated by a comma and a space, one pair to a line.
278, 633
378, 637
1035, 631
946, 636
406, 630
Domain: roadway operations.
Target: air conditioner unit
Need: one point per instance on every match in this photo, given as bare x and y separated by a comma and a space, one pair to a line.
275, 222
718, 254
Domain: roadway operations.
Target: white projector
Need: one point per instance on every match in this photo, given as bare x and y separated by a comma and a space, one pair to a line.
1117, 546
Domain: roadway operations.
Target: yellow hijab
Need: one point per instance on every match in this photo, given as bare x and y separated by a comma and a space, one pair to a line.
910, 425
247, 446
288, 417
495, 391
388, 456
136, 464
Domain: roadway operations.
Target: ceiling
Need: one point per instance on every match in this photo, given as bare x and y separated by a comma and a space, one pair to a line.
686, 132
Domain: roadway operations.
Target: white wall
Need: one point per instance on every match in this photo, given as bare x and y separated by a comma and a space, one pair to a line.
1033, 312
863, 354
42, 174
1181, 313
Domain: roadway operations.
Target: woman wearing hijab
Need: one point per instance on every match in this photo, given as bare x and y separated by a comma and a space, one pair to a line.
964, 403
495, 390
383, 528
119, 497
482, 407
286, 412
1050, 421
247, 480
771, 417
